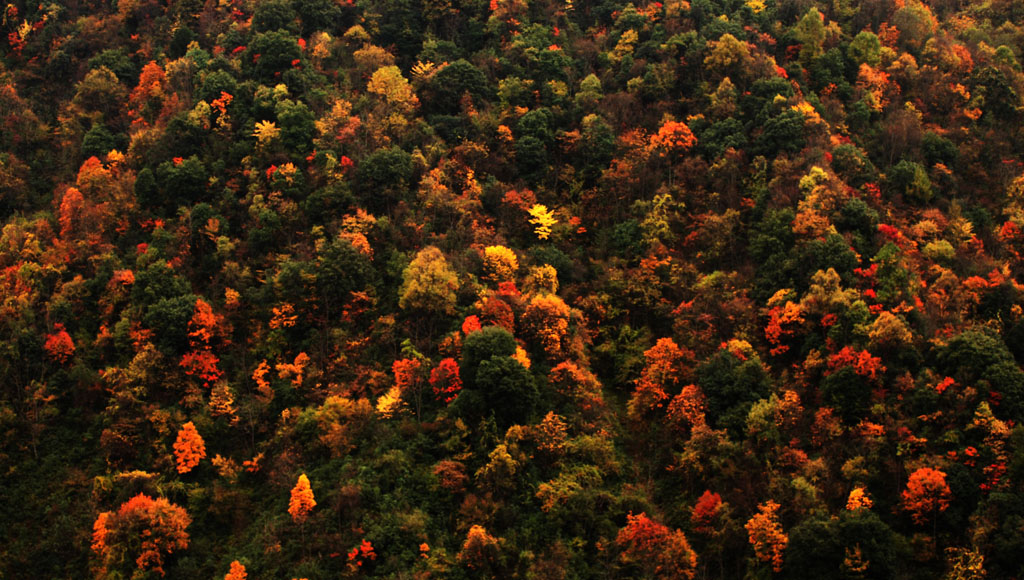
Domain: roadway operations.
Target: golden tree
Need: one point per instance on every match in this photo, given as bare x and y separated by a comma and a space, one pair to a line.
766, 535
302, 501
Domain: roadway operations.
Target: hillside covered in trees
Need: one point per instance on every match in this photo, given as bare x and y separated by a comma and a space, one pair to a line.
539, 289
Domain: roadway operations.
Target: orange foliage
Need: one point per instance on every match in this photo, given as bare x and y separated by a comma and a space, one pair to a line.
451, 475
302, 501
674, 137
202, 324
862, 362
237, 572
72, 206
663, 371
497, 312
156, 526
361, 553
551, 434
687, 408
781, 323
406, 373
858, 499
189, 448
655, 548
547, 317
766, 536
927, 494
284, 316
479, 549
262, 384
295, 370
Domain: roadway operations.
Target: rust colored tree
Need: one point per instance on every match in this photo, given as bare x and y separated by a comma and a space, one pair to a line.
926, 495
766, 535
657, 550
143, 528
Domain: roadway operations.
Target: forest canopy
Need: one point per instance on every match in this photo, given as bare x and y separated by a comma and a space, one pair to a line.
551, 289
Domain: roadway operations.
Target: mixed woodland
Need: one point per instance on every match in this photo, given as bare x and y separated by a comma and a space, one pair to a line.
539, 289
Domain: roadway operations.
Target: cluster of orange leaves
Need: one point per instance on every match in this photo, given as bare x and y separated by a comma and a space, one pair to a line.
302, 501
157, 524
926, 493
766, 535
858, 499
364, 551
654, 547
781, 320
189, 448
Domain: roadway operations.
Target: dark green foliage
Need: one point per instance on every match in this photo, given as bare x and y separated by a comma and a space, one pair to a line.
269, 55
731, 385
450, 84
384, 176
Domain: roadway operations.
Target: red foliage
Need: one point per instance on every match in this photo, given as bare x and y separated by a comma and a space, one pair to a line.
203, 364
59, 345
471, 325
705, 511
862, 362
445, 380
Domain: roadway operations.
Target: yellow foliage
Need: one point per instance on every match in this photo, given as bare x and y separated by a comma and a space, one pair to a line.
542, 219
500, 264
265, 132
389, 403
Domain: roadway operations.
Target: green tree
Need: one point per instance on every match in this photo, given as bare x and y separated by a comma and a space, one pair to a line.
429, 283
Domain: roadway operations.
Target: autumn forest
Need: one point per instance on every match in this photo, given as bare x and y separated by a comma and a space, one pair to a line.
513, 289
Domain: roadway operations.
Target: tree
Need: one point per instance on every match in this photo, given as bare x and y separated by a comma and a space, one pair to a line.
480, 550
302, 501
655, 549
189, 448
547, 319
926, 495
500, 264
444, 379
542, 219
766, 535
146, 528
429, 284
237, 572
810, 31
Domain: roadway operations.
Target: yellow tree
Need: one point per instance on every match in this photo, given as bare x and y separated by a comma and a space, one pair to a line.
429, 283
542, 219
500, 264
